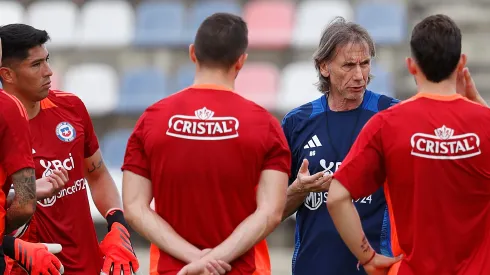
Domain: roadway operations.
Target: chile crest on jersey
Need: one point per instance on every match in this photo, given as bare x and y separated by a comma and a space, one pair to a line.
65, 132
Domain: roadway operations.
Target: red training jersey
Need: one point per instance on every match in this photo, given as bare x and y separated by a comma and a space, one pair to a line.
63, 136
15, 146
437, 181
204, 149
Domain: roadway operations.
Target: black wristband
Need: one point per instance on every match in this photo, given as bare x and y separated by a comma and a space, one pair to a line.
9, 246
116, 216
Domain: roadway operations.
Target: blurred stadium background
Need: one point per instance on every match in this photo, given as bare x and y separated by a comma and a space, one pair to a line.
121, 56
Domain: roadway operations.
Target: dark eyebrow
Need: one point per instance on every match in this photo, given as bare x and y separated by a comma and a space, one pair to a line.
39, 59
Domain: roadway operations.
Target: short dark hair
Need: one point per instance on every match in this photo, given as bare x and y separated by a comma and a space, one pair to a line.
220, 40
436, 46
18, 39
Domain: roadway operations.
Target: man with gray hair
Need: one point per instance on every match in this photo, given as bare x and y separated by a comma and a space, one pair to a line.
320, 134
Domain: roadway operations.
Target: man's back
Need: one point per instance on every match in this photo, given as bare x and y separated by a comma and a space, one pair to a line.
436, 152
206, 148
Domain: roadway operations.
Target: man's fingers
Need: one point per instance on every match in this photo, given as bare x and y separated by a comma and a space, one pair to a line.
225, 265
316, 179
304, 167
221, 269
53, 247
62, 175
468, 79
57, 264
117, 269
183, 271
106, 268
65, 173
58, 179
126, 269
212, 268
388, 261
53, 270
308, 180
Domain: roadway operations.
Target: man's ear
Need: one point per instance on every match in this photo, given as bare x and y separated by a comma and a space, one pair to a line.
411, 66
7, 75
324, 69
241, 61
192, 53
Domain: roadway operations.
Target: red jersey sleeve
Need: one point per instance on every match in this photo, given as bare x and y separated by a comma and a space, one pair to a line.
278, 156
91, 144
15, 137
362, 172
135, 159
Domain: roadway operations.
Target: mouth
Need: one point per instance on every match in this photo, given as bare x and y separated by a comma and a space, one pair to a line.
47, 85
357, 89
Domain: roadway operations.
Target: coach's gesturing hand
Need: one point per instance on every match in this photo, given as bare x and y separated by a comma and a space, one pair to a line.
303, 185
306, 183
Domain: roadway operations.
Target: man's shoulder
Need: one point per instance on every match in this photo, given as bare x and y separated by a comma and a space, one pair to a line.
63, 99
377, 102
304, 112
11, 105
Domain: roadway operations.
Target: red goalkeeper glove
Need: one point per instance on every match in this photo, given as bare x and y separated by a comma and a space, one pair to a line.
34, 258
118, 252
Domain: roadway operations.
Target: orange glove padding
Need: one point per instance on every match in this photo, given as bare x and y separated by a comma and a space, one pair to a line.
118, 252
37, 258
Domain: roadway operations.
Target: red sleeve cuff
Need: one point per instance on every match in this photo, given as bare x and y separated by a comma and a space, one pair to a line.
11, 169
344, 180
277, 167
91, 150
137, 170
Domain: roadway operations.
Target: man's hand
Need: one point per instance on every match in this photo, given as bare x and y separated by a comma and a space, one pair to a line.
466, 87
380, 265
118, 252
37, 258
49, 186
306, 183
205, 266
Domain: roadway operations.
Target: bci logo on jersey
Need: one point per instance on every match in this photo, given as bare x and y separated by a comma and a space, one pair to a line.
56, 164
65, 132
203, 126
445, 145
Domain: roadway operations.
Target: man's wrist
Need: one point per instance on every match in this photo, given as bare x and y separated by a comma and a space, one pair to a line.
8, 246
116, 215
295, 189
368, 260
194, 256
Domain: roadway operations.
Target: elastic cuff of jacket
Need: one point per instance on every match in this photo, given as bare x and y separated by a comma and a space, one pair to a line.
115, 215
9, 246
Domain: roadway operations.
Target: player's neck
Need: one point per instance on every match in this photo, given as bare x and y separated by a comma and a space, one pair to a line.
215, 77
32, 108
445, 87
338, 103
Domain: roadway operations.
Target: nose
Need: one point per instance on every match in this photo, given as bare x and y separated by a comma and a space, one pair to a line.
47, 71
357, 73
